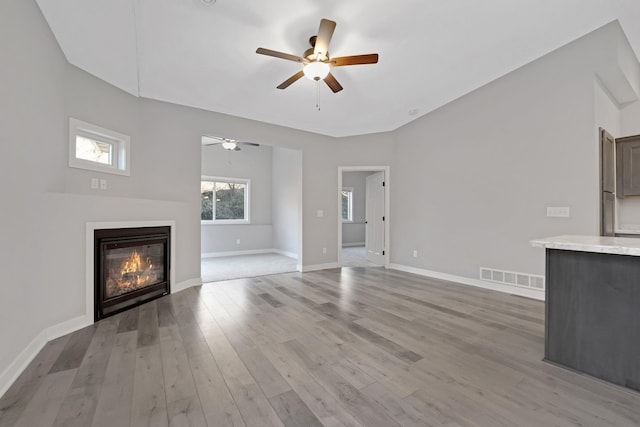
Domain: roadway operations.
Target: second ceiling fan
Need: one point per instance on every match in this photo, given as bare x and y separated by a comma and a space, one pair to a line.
316, 60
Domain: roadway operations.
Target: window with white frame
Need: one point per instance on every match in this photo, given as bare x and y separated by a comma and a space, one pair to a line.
98, 149
347, 204
224, 200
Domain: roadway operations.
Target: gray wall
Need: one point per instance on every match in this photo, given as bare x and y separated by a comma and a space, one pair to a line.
354, 232
472, 180
287, 197
252, 163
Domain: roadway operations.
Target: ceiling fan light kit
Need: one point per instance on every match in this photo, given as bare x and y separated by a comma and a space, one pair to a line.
316, 70
316, 61
229, 145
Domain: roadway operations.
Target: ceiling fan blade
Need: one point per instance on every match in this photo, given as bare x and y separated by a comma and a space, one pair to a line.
281, 55
371, 58
285, 84
325, 32
253, 144
331, 81
211, 140
237, 148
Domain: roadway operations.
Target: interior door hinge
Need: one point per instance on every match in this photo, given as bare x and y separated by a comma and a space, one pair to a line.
383, 183
383, 218
382, 252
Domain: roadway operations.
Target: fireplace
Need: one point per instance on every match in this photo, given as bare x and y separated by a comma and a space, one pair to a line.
131, 267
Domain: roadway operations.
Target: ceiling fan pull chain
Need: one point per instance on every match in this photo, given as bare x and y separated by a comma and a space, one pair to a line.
318, 94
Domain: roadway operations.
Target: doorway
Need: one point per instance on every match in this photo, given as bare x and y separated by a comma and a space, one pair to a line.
363, 216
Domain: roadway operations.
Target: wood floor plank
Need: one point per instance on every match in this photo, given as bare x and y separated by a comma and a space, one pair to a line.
14, 401
78, 408
45, 404
114, 403
293, 411
252, 403
326, 408
148, 334
74, 351
270, 381
183, 403
357, 404
219, 407
149, 401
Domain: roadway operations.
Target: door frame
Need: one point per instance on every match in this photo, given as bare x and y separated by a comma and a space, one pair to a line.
387, 207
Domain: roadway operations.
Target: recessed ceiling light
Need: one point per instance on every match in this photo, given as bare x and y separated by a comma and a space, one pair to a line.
414, 112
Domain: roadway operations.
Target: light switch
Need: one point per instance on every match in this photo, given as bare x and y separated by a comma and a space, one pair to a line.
558, 211
94, 183
103, 184
320, 213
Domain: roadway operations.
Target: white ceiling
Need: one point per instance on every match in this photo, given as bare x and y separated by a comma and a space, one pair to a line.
431, 51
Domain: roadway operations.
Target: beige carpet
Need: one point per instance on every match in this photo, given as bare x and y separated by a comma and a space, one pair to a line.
241, 266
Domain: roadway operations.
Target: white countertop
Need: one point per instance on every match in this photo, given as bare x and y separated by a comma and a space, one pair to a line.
599, 244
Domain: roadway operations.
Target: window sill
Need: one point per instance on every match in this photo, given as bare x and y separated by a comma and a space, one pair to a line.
226, 222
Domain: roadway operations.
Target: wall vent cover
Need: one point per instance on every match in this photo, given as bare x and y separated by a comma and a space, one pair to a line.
512, 278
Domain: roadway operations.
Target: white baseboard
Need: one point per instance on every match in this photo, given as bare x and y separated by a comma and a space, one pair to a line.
316, 267
20, 363
66, 327
235, 253
349, 245
285, 253
186, 285
513, 290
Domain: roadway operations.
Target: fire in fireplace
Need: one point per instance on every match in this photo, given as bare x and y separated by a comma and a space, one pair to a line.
131, 267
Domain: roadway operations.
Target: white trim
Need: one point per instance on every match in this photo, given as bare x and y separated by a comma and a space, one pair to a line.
20, 363
248, 252
121, 143
349, 245
285, 253
316, 267
66, 327
508, 289
387, 208
185, 285
235, 253
92, 226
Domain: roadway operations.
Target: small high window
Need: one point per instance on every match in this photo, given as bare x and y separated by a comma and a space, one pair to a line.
224, 200
347, 204
98, 149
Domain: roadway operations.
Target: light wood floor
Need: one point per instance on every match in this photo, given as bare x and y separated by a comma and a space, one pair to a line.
357, 347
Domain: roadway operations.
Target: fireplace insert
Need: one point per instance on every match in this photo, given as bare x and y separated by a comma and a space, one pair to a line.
131, 267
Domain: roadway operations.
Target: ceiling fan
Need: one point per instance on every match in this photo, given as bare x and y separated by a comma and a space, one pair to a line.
316, 60
227, 143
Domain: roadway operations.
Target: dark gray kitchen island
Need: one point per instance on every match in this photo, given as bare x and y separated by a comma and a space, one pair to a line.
593, 306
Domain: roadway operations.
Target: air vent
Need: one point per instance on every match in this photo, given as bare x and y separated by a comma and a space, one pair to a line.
512, 278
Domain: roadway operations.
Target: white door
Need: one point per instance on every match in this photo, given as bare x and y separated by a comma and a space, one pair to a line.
374, 229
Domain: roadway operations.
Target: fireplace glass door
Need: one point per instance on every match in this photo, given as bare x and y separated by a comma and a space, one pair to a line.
131, 267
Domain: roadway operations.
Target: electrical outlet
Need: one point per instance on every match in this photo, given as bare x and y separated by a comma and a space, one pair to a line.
103, 184
415, 253
324, 251
95, 183
237, 241
558, 211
